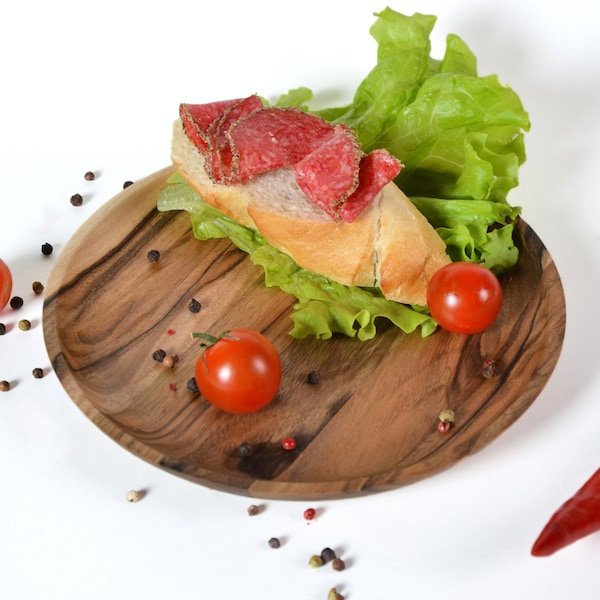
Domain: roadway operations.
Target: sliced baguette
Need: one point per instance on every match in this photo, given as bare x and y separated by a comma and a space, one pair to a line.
390, 245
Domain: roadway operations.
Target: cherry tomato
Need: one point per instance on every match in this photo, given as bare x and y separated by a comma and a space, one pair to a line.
5, 284
464, 297
240, 372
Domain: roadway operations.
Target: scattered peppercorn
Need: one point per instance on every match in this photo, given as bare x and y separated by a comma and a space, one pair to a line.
89, 176
245, 449
327, 554
47, 249
37, 287
489, 368
310, 514
446, 418
2, 328
338, 564
16, 302
37, 373
289, 443
253, 510
4, 386
159, 355
315, 561
153, 255
334, 595
76, 200
126, 184
194, 306
313, 377
168, 361
274, 542
192, 385
133, 496
24, 325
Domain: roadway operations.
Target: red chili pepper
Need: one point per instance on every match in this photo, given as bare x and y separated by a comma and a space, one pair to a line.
576, 518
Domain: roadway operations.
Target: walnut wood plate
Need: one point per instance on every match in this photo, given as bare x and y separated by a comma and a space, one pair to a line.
369, 424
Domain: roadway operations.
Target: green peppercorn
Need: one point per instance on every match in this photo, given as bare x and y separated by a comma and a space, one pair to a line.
315, 561
24, 325
334, 595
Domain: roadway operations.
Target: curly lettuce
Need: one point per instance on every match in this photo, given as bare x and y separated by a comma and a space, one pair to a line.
460, 137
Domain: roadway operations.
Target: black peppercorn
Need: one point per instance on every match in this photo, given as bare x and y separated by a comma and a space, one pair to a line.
37, 287
4, 385
153, 255
313, 377
76, 199
192, 386
16, 302
327, 554
38, 373
245, 449
194, 306
159, 355
2, 328
89, 176
47, 249
274, 543
253, 510
127, 184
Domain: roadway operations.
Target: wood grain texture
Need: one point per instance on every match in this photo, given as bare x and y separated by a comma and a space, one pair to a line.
369, 424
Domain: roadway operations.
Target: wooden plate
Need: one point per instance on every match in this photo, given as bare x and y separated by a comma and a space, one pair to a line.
369, 424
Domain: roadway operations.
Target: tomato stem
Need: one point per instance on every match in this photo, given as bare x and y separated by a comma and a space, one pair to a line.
213, 339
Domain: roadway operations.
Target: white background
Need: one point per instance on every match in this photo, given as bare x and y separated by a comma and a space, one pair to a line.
89, 86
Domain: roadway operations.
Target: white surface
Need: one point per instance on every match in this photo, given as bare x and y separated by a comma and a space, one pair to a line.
97, 88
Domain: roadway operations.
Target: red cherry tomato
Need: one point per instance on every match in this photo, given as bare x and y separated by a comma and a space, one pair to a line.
464, 297
5, 284
240, 372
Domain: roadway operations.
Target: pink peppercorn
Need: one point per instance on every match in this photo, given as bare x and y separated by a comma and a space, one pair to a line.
289, 443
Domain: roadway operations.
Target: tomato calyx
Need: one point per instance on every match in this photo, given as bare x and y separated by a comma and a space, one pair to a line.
211, 340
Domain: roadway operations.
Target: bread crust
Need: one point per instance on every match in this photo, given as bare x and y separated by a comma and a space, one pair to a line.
391, 245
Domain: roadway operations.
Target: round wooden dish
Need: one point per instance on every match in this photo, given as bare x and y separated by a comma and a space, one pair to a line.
369, 424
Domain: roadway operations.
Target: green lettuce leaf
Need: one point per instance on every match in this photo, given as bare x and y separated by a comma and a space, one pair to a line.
460, 138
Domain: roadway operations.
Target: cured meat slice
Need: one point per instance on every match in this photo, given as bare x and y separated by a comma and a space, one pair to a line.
197, 118
219, 151
330, 173
271, 138
377, 169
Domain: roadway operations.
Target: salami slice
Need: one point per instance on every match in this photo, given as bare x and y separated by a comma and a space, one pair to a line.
330, 173
197, 118
219, 157
271, 138
377, 169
